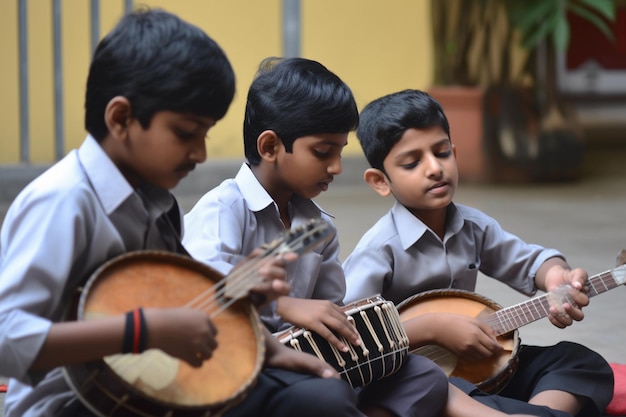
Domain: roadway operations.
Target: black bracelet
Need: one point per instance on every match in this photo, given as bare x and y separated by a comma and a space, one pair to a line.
143, 331
129, 332
135, 332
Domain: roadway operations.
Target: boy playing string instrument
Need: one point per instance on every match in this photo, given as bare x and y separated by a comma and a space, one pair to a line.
427, 242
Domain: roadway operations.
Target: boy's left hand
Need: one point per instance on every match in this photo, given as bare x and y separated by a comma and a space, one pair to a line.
568, 288
278, 355
322, 317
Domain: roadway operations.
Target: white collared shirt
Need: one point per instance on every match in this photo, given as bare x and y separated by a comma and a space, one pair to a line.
67, 222
237, 216
400, 256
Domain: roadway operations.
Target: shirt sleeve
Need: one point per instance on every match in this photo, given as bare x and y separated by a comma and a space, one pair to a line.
42, 237
366, 270
511, 260
213, 234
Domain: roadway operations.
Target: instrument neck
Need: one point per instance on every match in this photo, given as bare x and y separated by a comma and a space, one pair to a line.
508, 319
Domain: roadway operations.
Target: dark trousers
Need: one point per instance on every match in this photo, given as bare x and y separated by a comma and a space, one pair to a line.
565, 366
418, 389
278, 393
281, 393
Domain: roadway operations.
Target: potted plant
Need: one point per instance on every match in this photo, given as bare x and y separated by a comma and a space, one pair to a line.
496, 59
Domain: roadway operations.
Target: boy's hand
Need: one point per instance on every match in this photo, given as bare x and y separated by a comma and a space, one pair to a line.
567, 291
320, 316
278, 355
466, 336
183, 333
272, 276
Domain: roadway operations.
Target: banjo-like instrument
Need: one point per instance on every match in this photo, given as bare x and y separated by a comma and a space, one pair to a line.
153, 383
491, 375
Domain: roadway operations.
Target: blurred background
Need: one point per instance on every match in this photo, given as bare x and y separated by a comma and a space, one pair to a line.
538, 75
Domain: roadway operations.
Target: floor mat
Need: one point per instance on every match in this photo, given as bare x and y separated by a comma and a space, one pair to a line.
617, 406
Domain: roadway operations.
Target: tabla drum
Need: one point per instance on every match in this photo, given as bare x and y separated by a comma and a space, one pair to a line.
383, 349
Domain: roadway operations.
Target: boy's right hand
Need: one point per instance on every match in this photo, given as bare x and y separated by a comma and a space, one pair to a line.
320, 316
466, 336
182, 332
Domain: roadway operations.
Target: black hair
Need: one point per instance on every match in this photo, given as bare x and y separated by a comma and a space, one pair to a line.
296, 97
158, 62
384, 121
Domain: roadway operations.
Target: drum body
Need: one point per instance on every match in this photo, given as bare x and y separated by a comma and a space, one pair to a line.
384, 342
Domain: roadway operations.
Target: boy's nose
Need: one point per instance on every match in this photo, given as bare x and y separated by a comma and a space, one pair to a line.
433, 165
198, 154
335, 167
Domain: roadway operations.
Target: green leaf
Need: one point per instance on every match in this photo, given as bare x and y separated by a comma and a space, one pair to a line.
532, 38
528, 15
604, 8
593, 19
560, 34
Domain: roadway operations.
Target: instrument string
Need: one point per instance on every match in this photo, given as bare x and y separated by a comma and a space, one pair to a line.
244, 277
433, 352
214, 300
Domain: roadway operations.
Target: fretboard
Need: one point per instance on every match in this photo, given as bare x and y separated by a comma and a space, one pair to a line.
511, 318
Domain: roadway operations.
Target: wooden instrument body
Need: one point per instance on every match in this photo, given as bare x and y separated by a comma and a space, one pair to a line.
384, 348
491, 374
153, 383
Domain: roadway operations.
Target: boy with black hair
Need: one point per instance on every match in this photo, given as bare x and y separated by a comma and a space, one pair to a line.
156, 85
427, 242
297, 120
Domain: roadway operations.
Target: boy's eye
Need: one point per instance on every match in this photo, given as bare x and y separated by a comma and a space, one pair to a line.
321, 153
410, 165
444, 154
184, 134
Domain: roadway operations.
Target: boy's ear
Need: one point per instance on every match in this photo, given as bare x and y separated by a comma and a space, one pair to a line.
268, 144
376, 179
117, 115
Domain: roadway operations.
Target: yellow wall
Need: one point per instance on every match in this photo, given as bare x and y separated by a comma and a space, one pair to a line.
9, 88
376, 47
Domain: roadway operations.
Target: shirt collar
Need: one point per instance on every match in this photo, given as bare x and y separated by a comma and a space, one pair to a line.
110, 185
258, 199
411, 229
106, 179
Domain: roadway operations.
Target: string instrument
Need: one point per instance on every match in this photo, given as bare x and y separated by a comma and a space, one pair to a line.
492, 374
384, 342
153, 383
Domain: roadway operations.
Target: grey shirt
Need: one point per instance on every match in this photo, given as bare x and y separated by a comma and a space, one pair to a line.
67, 222
237, 216
400, 256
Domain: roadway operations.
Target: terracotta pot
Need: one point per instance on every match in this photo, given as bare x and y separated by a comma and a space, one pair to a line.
463, 107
